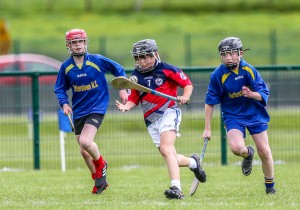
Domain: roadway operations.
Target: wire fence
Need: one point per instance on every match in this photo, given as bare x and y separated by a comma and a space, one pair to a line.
123, 138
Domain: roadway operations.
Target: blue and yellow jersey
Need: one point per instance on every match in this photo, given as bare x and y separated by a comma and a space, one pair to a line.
87, 82
225, 87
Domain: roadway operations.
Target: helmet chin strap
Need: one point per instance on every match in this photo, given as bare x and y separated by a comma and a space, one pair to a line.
232, 66
78, 54
148, 69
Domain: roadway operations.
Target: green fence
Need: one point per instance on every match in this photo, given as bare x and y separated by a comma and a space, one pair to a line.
30, 134
180, 49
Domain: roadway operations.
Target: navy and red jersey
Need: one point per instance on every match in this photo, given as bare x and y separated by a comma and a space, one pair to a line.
88, 83
225, 87
164, 78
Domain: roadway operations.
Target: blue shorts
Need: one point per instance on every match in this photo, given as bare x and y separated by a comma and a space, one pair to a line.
252, 129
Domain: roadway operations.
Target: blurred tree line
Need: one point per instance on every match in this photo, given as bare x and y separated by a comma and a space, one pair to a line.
187, 6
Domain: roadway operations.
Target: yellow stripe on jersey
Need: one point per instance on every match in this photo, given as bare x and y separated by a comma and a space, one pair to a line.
69, 68
224, 77
89, 63
236, 71
246, 68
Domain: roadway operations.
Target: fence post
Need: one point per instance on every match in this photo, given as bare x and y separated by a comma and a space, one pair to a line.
102, 42
273, 47
35, 118
188, 54
273, 60
223, 142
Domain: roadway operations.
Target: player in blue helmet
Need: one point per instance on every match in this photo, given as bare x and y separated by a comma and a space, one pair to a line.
243, 96
162, 116
84, 74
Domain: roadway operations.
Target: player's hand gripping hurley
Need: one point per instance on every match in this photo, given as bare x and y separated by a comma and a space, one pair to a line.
195, 182
125, 83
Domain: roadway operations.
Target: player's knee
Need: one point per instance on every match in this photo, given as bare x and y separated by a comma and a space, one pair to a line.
265, 153
237, 150
85, 144
165, 151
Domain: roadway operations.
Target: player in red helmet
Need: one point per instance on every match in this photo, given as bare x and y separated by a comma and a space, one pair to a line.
73, 37
84, 73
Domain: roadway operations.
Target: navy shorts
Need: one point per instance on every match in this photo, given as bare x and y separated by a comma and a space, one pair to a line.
252, 129
92, 119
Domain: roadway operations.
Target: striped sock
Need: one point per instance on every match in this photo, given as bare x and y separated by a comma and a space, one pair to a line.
269, 182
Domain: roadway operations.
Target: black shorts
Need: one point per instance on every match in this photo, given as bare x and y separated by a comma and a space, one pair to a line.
92, 119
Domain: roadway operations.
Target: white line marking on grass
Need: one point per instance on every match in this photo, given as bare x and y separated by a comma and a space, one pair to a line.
6, 169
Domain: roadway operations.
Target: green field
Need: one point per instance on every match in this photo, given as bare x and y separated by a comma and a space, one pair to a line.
137, 174
143, 187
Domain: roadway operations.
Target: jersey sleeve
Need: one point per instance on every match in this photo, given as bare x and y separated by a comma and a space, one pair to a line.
61, 87
179, 77
134, 96
115, 68
214, 91
259, 85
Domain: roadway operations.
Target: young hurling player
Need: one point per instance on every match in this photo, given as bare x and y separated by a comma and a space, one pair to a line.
84, 74
243, 96
162, 116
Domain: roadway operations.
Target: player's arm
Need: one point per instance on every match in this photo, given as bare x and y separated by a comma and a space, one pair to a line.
123, 95
260, 91
187, 92
250, 94
125, 107
208, 115
61, 87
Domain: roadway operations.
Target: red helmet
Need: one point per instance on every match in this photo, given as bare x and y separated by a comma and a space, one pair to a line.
76, 35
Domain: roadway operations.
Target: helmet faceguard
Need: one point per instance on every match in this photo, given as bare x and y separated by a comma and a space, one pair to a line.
76, 35
145, 50
232, 46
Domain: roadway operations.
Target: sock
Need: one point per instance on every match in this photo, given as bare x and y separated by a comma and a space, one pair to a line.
94, 176
98, 162
193, 163
269, 182
176, 183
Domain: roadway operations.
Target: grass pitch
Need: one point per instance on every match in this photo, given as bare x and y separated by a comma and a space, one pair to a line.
142, 188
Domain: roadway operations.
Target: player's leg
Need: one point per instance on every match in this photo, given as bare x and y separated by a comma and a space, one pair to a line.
236, 143
90, 152
235, 136
265, 154
168, 152
163, 132
193, 163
